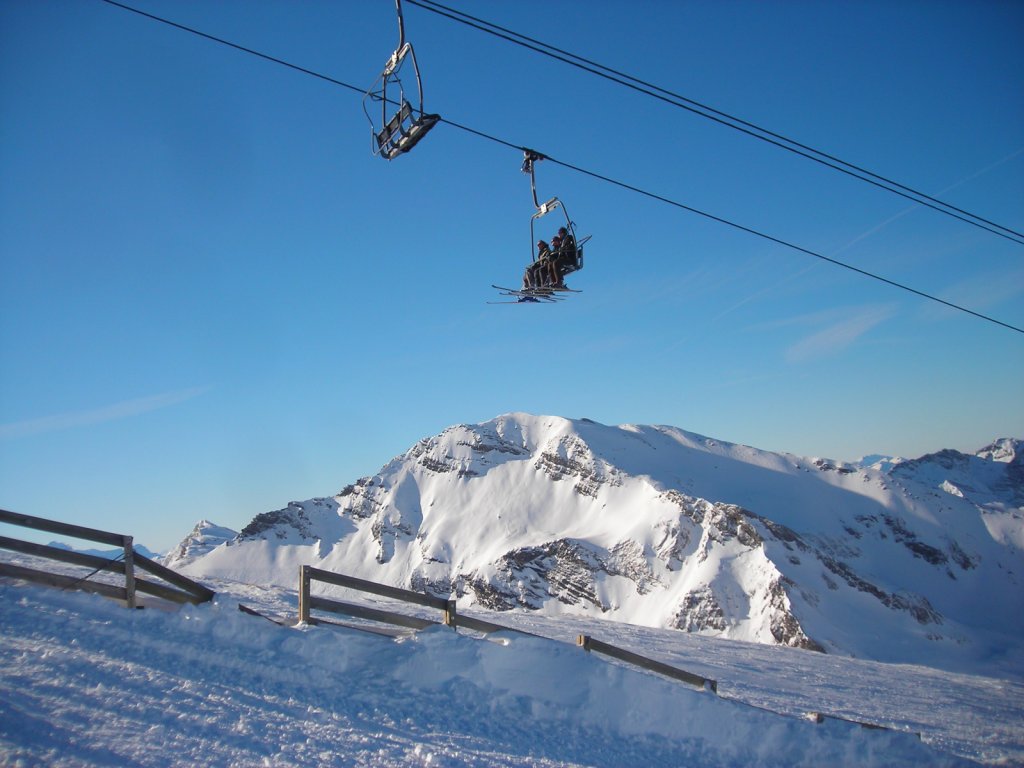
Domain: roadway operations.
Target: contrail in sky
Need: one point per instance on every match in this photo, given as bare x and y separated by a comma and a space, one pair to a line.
83, 418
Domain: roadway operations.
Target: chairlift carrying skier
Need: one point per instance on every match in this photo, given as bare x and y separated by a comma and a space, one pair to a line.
544, 276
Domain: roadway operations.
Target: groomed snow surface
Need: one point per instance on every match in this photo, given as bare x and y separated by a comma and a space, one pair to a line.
85, 682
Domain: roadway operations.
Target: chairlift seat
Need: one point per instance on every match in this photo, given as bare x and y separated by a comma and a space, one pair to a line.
576, 263
402, 132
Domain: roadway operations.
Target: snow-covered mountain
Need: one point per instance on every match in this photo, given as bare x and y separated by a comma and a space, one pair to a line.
204, 538
656, 526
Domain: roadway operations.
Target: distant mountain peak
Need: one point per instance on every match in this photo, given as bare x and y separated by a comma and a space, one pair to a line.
992, 478
1006, 450
201, 540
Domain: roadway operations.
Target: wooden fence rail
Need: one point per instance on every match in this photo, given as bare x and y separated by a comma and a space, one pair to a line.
63, 582
308, 602
590, 644
184, 590
196, 592
308, 574
66, 529
371, 614
63, 555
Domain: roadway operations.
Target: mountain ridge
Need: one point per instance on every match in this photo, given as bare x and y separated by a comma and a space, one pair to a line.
658, 526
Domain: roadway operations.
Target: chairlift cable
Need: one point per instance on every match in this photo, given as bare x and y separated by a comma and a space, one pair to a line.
785, 243
586, 172
236, 46
722, 118
740, 227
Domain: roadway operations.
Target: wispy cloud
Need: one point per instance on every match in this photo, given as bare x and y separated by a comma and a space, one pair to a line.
772, 287
839, 333
981, 292
107, 413
917, 206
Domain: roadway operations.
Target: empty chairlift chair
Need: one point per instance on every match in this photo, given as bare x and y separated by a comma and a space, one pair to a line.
398, 131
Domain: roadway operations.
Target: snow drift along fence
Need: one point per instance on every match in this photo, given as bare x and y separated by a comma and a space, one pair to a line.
184, 590
308, 602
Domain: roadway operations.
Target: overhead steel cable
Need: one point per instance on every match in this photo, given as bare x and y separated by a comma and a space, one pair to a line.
236, 46
785, 243
717, 116
584, 171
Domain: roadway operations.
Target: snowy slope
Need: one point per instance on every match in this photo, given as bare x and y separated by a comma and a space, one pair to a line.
992, 480
83, 682
656, 526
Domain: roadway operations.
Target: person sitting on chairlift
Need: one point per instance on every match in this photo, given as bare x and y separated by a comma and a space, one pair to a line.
565, 256
537, 274
568, 245
556, 261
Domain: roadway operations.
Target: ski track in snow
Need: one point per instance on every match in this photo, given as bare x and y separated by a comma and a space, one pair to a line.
83, 682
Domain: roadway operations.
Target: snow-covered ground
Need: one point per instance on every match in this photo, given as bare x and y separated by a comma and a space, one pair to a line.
84, 682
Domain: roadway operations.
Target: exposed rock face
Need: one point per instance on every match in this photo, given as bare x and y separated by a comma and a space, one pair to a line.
628, 559
570, 458
699, 612
358, 499
656, 525
280, 523
784, 627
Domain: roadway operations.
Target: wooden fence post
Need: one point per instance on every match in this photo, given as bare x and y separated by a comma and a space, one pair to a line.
449, 615
129, 572
304, 594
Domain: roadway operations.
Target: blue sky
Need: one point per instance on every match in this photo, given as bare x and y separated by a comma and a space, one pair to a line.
214, 299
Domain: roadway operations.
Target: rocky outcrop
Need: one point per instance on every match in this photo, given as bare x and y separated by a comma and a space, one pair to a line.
527, 577
699, 612
569, 458
280, 524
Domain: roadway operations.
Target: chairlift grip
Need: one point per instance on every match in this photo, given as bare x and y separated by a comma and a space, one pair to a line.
549, 206
396, 59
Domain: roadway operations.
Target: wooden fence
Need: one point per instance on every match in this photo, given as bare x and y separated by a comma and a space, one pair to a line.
308, 602
450, 618
183, 590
